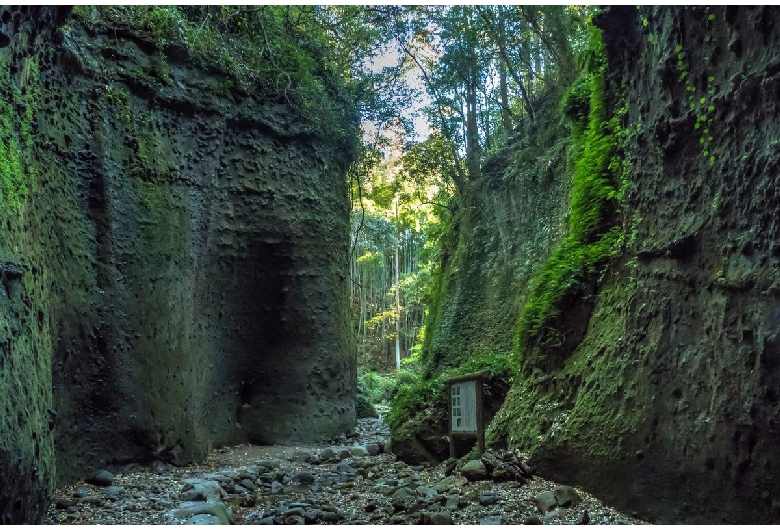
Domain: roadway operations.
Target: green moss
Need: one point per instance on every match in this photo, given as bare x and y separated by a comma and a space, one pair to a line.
589, 405
18, 103
429, 393
281, 49
592, 240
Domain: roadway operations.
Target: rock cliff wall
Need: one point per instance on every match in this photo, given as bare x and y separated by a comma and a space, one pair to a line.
173, 253
668, 404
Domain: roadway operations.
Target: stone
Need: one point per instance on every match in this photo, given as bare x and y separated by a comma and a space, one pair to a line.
81, 492
330, 517
501, 474
545, 501
566, 496
203, 518
358, 451
533, 520
294, 519
276, 487
373, 449
101, 478
202, 490
248, 484
344, 453
452, 502
251, 472
265, 520
328, 455
371, 505
267, 464
112, 493
487, 498
441, 518
345, 469
450, 467
217, 509
301, 457
312, 516
293, 511
550, 517
426, 492
474, 470
303, 477
491, 520
403, 497
584, 518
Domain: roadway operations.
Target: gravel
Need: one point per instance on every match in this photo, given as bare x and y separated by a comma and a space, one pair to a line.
296, 485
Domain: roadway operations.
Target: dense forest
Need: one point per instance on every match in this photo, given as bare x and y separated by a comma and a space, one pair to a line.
244, 250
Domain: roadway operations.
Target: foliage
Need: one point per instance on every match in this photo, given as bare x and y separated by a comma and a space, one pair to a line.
592, 240
283, 49
418, 393
364, 408
378, 388
18, 101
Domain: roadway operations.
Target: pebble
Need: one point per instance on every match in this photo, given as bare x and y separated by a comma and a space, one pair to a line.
374, 490
373, 449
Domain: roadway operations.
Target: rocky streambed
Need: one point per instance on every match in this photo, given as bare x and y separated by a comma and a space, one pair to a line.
353, 480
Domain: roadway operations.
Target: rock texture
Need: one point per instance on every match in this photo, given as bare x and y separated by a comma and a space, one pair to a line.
669, 403
172, 253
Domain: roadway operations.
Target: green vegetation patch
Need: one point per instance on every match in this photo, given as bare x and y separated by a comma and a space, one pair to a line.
596, 186
280, 50
17, 115
415, 394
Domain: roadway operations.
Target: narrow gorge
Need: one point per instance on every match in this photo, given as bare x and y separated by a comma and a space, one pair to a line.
182, 266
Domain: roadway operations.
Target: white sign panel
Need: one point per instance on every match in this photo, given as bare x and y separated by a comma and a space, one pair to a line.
463, 397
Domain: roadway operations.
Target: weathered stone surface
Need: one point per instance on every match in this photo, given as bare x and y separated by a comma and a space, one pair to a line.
202, 490
177, 279
188, 510
566, 497
441, 518
545, 501
101, 478
474, 470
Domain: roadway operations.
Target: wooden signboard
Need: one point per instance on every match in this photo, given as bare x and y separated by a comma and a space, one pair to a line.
465, 409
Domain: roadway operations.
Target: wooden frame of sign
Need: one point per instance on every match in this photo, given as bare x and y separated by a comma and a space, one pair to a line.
464, 409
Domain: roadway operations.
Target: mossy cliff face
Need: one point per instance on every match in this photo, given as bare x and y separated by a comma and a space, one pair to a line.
504, 230
669, 403
174, 261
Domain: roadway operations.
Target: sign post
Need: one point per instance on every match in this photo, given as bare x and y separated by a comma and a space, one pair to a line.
465, 409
